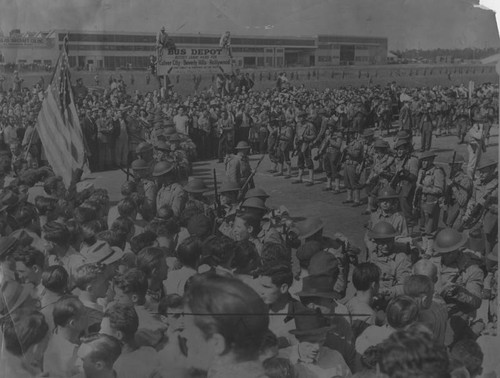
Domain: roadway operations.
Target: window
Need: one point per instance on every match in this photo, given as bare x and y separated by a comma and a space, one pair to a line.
324, 59
269, 51
260, 61
269, 61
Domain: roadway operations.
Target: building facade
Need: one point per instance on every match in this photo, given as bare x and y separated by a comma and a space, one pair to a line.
113, 50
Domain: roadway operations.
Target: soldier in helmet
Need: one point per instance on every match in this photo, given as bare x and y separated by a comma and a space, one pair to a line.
405, 176
352, 166
195, 190
145, 152
431, 183
458, 194
379, 173
394, 264
238, 166
460, 280
229, 206
170, 192
146, 186
331, 148
304, 137
481, 215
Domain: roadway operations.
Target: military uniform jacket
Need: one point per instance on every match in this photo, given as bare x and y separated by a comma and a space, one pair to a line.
172, 195
433, 184
394, 269
147, 187
285, 138
380, 165
355, 151
238, 169
461, 186
411, 166
405, 119
306, 132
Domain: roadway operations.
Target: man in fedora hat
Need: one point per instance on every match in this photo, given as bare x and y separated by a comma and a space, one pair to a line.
458, 193
170, 192
238, 166
460, 279
431, 183
314, 356
394, 263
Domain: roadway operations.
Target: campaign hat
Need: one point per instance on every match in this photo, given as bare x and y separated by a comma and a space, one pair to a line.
162, 167
195, 185
254, 203
401, 142
380, 143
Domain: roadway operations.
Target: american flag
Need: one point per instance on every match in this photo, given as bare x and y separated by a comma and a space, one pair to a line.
58, 124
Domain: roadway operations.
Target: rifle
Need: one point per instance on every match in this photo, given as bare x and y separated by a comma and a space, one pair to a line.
218, 205
479, 210
243, 189
392, 182
449, 189
417, 196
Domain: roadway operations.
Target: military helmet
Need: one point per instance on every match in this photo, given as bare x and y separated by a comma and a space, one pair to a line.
380, 143
382, 230
242, 145
254, 203
162, 146
143, 147
368, 133
309, 227
387, 193
140, 164
162, 167
195, 185
401, 143
449, 240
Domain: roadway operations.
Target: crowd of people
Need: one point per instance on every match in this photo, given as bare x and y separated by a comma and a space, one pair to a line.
172, 282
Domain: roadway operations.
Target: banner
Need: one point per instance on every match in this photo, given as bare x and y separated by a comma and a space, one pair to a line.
193, 60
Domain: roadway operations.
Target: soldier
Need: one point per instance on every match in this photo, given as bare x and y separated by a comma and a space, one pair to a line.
146, 186
458, 193
285, 142
460, 281
331, 148
352, 165
145, 152
228, 206
304, 138
368, 156
462, 122
431, 182
394, 264
379, 173
482, 212
195, 189
405, 116
476, 142
238, 168
170, 192
405, 176
426, 127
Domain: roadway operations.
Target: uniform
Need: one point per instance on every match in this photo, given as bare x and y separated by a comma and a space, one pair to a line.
474, 147
379, 176
304, 138
148, 189
394, 269
332, 145
238, 169
460, 191
354, 153
395, 219
171, 195
426, 127
284, 146
406, 183
405, 118
433, 183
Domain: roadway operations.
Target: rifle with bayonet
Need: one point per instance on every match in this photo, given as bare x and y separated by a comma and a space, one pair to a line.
249, 179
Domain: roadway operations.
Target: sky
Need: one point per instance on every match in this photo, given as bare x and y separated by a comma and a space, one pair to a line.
493, 5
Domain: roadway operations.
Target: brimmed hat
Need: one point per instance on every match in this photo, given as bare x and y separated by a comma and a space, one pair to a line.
7, 245
310, 323
143, 147
173, 137
195, 185
139, 165
382, 230
449, 240
162, 167
387, 193
242, 145
162, 146
307, 250
101, 253
401, 142
486, 163
309, 227
318, 286
254, 203
256, 192
427, 155
324, 263
380, 143
12, 296
229, 186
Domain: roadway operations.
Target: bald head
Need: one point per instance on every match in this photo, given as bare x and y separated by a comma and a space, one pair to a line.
426, 268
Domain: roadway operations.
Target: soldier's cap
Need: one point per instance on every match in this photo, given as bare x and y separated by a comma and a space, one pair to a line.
401, 143
162, 167
322, 111
368, 133
254, 203
387, 193
459, 159
162, 146
229, 186
143, 147
242, 145
427, 155
493, 255
256, 192
310, 227
486, 164
380, 143
449, 240
195, 185
139, 164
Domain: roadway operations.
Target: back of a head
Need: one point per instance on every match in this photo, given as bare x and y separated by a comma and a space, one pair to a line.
417, 285
218, 250
103, 348
277, 367
23, 329
412, 354
56, 232
425, 267
467, 353
364, 275
401, 312
189, 251
134, 281
123, 318
149, 259
55, 278
246, 258
67, 308
247, 320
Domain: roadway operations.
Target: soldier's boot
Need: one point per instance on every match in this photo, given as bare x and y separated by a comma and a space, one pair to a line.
356, 197
299, 177
336, 186
349, 196
328, 185
311, 178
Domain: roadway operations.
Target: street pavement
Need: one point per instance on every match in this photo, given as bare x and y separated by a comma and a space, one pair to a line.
301, 201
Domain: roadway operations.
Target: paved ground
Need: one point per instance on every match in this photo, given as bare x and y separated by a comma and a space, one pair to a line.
305, 201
